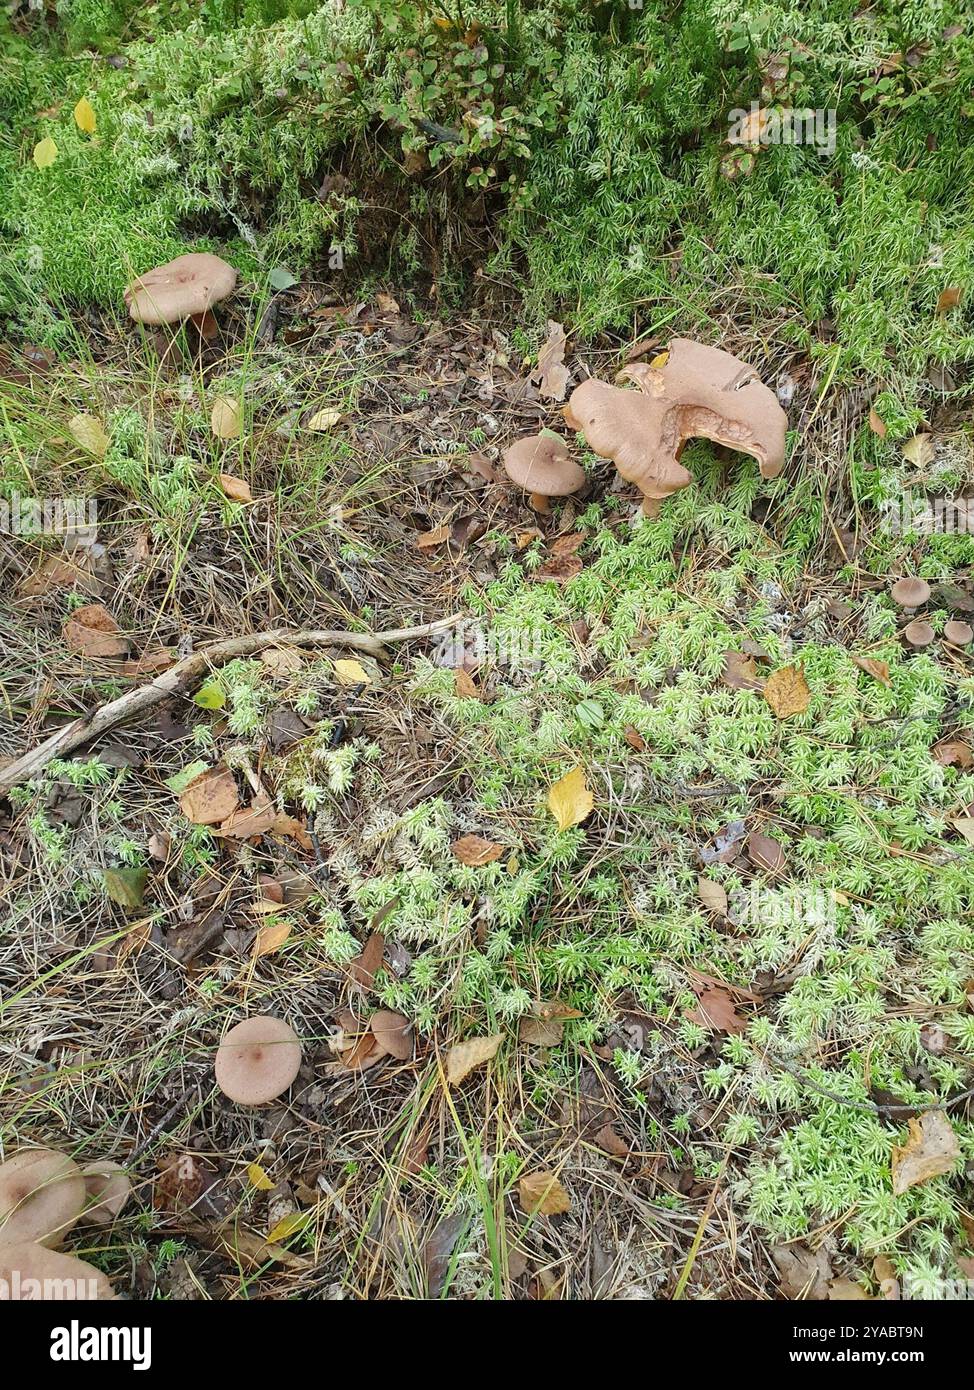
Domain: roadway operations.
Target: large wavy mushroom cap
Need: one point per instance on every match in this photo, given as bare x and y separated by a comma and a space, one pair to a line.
257, 1060
41, 1196
181, 289
31, 1273
697, 392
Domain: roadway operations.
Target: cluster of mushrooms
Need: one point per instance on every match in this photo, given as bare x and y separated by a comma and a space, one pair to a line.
43, 1194
910, 594
690, 392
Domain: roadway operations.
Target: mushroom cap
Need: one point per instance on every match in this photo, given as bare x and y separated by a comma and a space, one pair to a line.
541, 464
919, 633
41, 1196
51, 1269
172, 292
257, 1060
910, 593
958, 633
108, 1189
392, 1033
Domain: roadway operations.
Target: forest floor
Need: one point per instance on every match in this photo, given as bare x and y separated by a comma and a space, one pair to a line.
704, 1003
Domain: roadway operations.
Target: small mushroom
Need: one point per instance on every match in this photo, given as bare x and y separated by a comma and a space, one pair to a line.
698, 392
31, 1272
257, 1060
958, 634
108, 1189
41, 1196
910, 594
542, 465
919, 633
186, 288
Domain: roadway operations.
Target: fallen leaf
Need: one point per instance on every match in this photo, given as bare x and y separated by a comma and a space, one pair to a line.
84, 117
210, 797
428, 540
712, 895
438, 1251
919, 450
45, 153
92, 631
805, 1273
289, 1225
237, 489
611, 1142
464, 1057
964, 825
765, 853
258, 1178
474, 850
634, 739
271, 938
386, 304
715, 1010
261, 817
325, 419
225, 418
948, 299
392, 1033
561, 568
541, 1032
953, 752
55, 573
89, 434
126, 886
541, 1194
551, 374
210, 695
787, 692
362, 969
138, 935
282, 661
740, 672
464, 684
930, 1151
570, 800
879, 670
725, 844
351, 672
877, 424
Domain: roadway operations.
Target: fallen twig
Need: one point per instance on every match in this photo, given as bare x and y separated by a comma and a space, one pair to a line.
182, 676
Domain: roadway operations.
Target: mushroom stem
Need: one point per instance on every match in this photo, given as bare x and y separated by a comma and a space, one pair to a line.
652, 506
540, 503
205, 324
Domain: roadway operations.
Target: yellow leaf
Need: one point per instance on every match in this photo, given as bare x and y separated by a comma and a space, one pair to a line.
288, 1226
570, 799
258, 1178
350, 672
89, 433
465, 1056
45, 153
541, 1194
787, 692
225, 418
919, 450
660, 360
270, 939
84, 116
324, 420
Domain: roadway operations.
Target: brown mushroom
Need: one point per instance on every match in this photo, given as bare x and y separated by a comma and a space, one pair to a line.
919, 633
41, 1196
392, 1033
958, 634
31, 1273
257, 1060
108, 1189
698, 392
910, 594
542, 465
186, 288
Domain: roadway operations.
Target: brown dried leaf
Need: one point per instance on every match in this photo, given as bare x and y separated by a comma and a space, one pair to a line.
611, 1142
877, 424
93, 632
930, 1151
474, 850
805, 1273
712, 895
765, 853
551, 374
953, 752
561, 568
948, 299
740, 672
464, 684
541, 1032
211, 797
634, 739
919, 450
271, 938
362, 969
430, 539
225, 418
787, 692
715, 1010
541, 1194
237, 489
464, 1057
879, 670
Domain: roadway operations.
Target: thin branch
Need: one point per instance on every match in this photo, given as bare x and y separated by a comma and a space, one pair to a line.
182, 676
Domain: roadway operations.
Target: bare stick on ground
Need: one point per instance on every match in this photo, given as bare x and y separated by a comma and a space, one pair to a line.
181, 677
